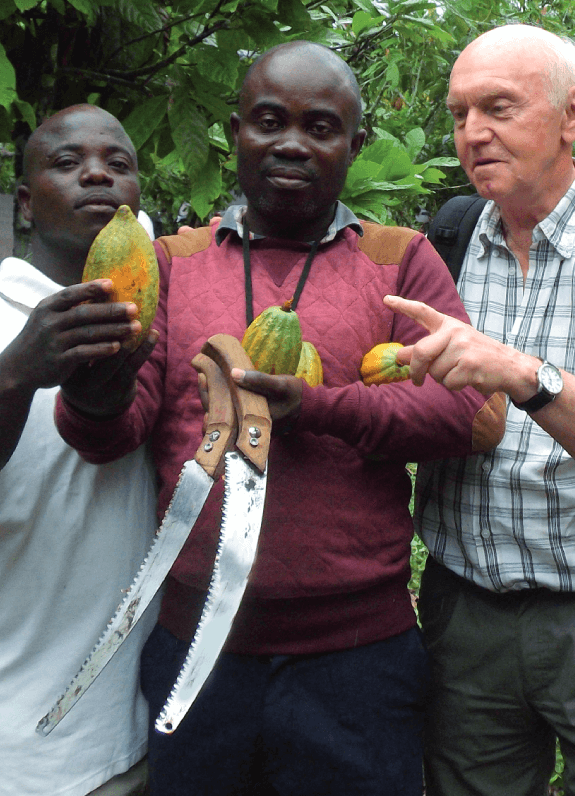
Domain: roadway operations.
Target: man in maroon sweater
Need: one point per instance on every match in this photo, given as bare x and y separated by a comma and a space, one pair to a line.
321, 683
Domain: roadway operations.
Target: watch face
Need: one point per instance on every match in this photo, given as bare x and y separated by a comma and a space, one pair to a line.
550, 378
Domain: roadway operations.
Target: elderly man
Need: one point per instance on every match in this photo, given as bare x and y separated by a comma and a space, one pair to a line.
497, 599
71, 535
321, 683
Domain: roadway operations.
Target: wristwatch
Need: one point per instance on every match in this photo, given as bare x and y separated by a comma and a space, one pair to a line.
549, 385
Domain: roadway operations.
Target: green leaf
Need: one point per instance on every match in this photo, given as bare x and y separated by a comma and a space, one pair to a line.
7, 80
144, 119
442, 162
26, 5
205, 191
85, 7
27, 113
331, 13
231, 7
442, 35
294, 14
392, 75
361, 21
217, 66
365, 5
412, 5
141, 13
433, 175
415, 141
391, 155
190, 133
7, 8
262, 29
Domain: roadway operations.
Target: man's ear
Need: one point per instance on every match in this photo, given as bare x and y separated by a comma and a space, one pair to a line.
25, 202
568, 121
235, 123
356, 145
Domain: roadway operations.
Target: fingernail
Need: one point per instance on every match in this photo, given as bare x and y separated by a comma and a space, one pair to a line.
238, 375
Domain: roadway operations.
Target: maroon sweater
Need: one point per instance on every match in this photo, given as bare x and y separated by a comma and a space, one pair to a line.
333, 559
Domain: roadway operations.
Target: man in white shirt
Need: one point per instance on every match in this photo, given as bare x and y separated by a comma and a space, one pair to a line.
497, 602
72, 535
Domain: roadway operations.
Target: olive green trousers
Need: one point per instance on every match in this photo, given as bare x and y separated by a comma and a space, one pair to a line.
503, 687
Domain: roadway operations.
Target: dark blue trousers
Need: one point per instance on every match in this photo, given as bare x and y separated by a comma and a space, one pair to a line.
337, 724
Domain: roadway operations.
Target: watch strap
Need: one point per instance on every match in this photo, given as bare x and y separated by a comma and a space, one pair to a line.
543, 396
538, 401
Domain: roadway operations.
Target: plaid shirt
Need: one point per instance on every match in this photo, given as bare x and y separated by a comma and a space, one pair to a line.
506, 519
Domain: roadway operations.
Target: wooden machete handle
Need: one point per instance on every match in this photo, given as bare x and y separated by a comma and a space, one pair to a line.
252, 409
221, 424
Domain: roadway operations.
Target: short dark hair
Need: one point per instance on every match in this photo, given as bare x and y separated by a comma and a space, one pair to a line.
330, 57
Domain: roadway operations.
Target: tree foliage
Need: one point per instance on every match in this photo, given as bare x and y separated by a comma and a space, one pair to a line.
171, 74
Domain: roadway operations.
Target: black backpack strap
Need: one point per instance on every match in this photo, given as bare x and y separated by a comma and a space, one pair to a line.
452, 227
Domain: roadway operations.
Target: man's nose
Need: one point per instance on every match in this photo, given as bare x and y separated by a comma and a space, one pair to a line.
476, 128
96, 171
293, 143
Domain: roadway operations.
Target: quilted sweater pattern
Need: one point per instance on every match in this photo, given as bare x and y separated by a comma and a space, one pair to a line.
334, 545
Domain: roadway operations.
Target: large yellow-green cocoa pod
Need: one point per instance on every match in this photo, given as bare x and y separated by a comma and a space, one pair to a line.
379, 366
273, 340
309, 366
123, 252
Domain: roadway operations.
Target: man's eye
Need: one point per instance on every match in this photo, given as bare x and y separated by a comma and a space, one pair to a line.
320, 128
65, 163
121, 165
269, 123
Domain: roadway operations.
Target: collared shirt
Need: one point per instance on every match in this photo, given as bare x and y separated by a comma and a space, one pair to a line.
233, 219
506, 519
72, 536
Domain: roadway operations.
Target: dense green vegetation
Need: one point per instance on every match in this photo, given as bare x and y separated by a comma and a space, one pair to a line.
171, 73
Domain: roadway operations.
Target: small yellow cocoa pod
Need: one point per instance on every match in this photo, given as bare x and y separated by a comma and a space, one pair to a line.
310, 368
379, 366
123, 252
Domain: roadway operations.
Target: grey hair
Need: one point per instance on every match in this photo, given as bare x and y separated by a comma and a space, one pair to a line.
561, 70
560, 66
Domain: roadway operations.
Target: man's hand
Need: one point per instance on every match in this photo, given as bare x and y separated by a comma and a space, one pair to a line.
283, 394
457, 355
74, 338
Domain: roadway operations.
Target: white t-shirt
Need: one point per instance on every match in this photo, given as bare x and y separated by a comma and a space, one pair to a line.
72, 536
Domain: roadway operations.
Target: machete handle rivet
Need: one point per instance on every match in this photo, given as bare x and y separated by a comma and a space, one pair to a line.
214, 436
253, 442
208, 447
254, 431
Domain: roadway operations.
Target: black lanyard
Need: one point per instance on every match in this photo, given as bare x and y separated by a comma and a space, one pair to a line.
248, 274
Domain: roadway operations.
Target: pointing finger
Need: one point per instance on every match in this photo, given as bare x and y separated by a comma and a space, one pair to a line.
419, 312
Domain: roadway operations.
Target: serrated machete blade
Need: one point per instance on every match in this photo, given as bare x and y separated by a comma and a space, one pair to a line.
245, 491
187, 501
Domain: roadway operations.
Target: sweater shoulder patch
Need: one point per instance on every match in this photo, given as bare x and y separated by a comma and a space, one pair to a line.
385, 245
192, 242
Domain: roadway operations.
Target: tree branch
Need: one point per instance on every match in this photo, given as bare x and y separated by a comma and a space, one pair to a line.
148, 70
98, 76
